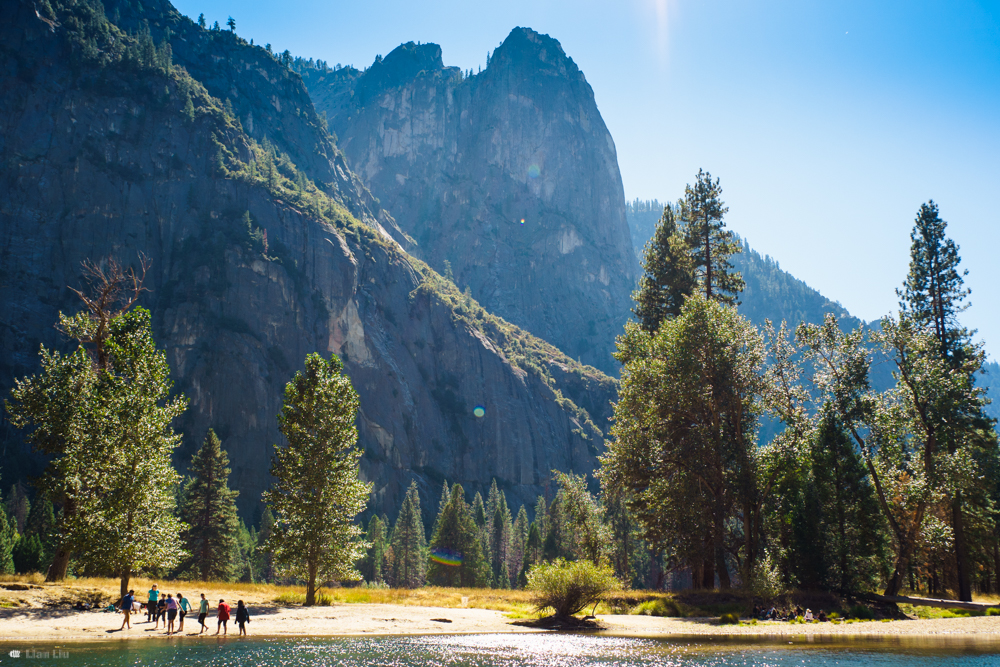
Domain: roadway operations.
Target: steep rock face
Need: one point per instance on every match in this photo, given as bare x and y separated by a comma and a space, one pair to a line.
510, 175
267, 97
101, 161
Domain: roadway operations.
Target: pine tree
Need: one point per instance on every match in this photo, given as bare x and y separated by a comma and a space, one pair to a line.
18, 506
8, 540
409, 546
27, 554
445, 496
209, 510
231, 23
317, 492
201, 21
372, 566
668, 274
264, 562
533, 551
42, 522
933, 295
710, 242
518, 542
456, 551
934, 289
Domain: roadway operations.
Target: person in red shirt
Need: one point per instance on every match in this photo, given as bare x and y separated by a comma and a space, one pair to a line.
223, 617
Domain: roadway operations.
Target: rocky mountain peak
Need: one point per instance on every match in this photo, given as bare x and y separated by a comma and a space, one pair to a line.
526, 53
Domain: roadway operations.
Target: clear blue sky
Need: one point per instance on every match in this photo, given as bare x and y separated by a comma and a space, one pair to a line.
827, 122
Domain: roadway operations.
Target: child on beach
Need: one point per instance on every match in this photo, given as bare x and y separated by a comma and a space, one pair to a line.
203, 613
242, 616
223, 618
161, 612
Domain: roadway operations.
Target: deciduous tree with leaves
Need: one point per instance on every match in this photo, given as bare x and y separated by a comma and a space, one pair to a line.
317, 492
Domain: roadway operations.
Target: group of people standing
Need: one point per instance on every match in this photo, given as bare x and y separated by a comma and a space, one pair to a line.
168, 608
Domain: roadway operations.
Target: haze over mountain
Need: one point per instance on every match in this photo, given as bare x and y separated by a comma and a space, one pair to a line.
508, 175
264, 246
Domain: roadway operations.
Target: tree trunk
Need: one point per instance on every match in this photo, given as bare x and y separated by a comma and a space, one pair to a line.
60, 563
125, 578
961, 562
719, 547
707, 574
311, 585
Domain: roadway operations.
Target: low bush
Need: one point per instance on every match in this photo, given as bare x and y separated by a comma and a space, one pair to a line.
861, 612
993, 611
729, 619
570, 586
658, 607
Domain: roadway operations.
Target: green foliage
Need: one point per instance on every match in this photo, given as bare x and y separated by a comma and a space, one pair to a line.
569, 586
28, 554
457, 537
8, 541
729, 619
317, 493
408, 568
684, 447
209, 510
860, 612
658, 607
591, 537
373, 566
668, 274
107, 425
710, 242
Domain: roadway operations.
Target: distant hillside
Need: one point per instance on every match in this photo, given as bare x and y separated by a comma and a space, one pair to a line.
770, 294
776, 295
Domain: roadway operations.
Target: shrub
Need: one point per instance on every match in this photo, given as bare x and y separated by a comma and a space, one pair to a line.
993, 611
568, 587
729, 619
861, 612
658, 607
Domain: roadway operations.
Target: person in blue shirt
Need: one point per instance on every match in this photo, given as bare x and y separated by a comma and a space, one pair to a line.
185, 607
127, 601
154, 596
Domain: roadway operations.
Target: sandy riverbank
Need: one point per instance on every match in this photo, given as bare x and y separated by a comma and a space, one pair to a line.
386, 619
44, 612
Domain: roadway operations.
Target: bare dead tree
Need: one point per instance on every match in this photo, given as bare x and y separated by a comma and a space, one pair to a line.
113, 289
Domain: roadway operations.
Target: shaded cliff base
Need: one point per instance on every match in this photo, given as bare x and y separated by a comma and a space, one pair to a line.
46, 612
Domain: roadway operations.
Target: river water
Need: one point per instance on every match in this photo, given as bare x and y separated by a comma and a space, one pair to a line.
507, 650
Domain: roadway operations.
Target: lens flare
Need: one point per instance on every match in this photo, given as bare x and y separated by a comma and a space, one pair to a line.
522, 221
446, 557
534, 171
479, 411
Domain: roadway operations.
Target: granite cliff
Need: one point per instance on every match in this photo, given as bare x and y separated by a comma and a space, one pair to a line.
264, 247
509, 175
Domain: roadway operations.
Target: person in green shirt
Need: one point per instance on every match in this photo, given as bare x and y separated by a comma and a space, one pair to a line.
185, 607
203, 613
154, 595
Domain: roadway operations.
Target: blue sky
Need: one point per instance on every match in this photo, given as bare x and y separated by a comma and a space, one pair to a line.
828, 123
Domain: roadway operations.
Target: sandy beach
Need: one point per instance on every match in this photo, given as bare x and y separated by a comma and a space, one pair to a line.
45, 613
379, 619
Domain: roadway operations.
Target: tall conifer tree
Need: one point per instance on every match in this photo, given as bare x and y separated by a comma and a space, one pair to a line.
209, 510
711, 243
409, 544
668, 274
933, 294
456, 550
